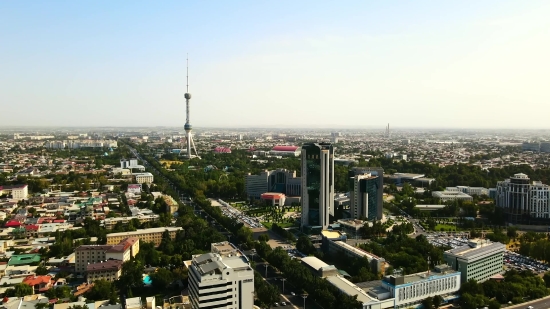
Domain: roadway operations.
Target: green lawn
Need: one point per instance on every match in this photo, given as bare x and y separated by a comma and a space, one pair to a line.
283, 225
446, 227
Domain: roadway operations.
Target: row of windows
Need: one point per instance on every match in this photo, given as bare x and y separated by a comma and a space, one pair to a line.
425, 288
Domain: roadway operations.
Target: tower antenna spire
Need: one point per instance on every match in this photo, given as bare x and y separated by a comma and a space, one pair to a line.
187, 74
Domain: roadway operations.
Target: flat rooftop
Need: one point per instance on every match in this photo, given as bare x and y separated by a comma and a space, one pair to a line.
355, 250
331, 234
481, 248
350, 289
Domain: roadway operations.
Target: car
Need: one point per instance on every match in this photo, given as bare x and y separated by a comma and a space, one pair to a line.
284, 304
530, 307
292, 293
275, 304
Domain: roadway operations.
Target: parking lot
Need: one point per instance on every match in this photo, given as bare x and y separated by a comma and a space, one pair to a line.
512, 260
233, 212
519, 262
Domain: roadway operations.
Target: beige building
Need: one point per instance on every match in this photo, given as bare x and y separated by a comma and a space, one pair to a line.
142, 178
93, 254
153, 235
109, 270
110, 223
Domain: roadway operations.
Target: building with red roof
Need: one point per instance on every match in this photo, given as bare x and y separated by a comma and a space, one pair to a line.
39, 283
273, 198
220, 149
13, 223
285, 150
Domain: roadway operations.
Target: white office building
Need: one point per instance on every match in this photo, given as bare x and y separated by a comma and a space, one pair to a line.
479, 259
469, 190
521, 198
448, 196
222, 280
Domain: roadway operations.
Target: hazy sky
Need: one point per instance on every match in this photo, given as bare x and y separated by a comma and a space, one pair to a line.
293, 63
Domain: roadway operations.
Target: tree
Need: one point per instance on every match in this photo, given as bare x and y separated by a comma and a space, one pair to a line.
427, 303
132, 275
161, 278
19, 290
546, 279
263, 237
437, 301
41, 270
102, 289
512, 232
305, 245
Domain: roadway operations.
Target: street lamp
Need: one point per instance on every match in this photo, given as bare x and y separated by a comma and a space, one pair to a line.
265, 265
304, 296
283, 280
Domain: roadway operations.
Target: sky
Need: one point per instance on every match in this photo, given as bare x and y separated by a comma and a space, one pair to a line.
281, 64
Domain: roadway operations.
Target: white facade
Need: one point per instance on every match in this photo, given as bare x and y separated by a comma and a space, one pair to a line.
142, 178
519, 197
478, 260
423, 285
446, 196
20, 193
221, 282
469, 190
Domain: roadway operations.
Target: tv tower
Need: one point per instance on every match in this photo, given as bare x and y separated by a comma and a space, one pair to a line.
188, 127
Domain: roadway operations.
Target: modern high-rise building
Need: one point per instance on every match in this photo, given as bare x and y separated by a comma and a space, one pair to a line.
379, 173
523, 200
221, 279
364, 196
317, 184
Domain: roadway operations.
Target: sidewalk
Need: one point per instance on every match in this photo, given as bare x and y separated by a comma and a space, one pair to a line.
525, 304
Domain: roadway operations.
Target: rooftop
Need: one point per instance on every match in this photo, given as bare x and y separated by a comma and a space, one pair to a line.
108, 265
314, 262
350, 289
24, 259
332, 234
476, 248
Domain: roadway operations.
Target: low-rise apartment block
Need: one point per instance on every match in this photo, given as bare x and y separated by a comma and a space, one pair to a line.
153, 235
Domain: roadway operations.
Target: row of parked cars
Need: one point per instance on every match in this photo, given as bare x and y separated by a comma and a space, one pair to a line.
232, 212
520, 262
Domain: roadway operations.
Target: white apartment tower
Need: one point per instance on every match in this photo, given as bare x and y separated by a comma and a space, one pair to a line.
222, 280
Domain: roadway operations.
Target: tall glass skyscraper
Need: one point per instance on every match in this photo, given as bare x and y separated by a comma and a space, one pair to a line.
317, 184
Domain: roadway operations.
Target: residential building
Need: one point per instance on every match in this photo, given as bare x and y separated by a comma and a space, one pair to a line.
40, 284
110, 223
109, 270
279, 180
522, 200
480, 259
221, 280
18, 192
153, 235
364, 196
134, 188
142, 178
90, 254
24, 259
447, 196
317, 184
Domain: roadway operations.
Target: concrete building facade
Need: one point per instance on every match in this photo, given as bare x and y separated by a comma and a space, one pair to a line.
224, 281
479, 259
153, 235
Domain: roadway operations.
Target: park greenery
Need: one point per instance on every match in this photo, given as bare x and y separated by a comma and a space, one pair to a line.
515, 288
